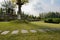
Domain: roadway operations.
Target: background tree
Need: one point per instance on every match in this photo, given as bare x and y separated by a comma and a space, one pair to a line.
8, 8
52, 15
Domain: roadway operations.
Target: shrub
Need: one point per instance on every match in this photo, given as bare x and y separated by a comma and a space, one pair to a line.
48, 20
1, 19
56, 20
52, 20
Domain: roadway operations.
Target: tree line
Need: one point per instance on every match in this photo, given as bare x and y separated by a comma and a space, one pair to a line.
8, 12
50, 15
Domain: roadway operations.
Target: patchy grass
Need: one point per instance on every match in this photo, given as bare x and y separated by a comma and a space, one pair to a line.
30, 36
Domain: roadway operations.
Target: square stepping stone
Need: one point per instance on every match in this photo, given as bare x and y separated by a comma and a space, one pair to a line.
47, 29
24, 31
41, 30
5, 32
15, 32
33, 31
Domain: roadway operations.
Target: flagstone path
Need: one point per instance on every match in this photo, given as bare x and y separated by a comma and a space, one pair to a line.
45, 30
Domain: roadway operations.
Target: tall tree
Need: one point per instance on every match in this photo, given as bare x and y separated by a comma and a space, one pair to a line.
20, 3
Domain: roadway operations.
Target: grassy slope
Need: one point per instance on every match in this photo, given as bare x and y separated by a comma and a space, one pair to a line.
32, 25
49, 25
30, 36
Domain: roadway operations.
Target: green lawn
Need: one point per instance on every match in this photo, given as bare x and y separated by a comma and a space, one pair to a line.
30, 36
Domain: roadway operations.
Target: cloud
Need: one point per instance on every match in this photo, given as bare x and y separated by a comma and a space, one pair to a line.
31, 8
35, 7
52, 2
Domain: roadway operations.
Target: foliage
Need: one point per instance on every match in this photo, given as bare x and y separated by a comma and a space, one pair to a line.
50, 15
7, 13
8, 7
21, 1
52, 20
56, 20
48, 20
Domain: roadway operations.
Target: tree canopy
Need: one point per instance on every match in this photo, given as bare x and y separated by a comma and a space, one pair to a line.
21, 1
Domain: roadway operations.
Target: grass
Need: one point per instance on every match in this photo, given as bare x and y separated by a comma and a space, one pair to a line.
49, 25
30, 36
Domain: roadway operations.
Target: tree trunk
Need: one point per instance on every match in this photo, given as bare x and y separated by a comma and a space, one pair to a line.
19, 9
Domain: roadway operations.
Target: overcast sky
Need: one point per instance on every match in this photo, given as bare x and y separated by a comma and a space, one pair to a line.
38, 6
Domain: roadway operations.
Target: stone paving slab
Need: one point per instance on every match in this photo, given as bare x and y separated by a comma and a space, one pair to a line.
24, 31
15, 32
41, 30
5, 32
33, 31
47, 29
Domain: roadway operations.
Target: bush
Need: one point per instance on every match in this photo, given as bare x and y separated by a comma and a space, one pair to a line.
56, 20
52, 20
1, 19
48, 20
